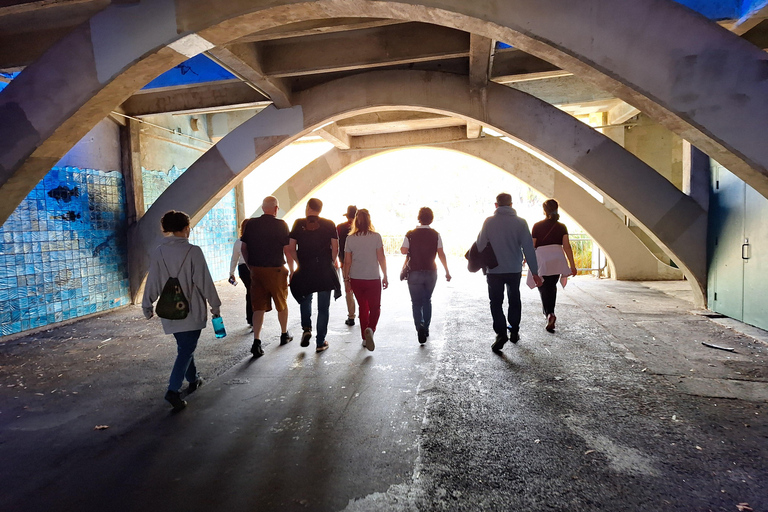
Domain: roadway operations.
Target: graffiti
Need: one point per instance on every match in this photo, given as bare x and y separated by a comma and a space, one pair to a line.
70, 216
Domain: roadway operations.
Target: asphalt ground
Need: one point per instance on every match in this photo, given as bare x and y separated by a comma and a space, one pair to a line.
622, 408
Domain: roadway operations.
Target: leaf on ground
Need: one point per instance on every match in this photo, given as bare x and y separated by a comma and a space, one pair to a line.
101, 427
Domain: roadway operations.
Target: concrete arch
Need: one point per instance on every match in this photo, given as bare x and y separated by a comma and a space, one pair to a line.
694, 77
628, 258
675, 221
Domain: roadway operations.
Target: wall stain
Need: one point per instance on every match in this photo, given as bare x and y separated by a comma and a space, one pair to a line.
62, 193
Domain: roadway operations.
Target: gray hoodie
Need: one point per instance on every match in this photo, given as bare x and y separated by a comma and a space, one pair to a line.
195, 279
510, 238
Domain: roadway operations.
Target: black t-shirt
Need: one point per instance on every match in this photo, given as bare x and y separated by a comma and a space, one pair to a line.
422, 248
549, 232
265, 238
313, 237
343, 231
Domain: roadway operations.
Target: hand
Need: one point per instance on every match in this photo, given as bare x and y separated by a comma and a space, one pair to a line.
574, 271
336, 264
448, 276
232, 280
215, 312
385, 283
537, 280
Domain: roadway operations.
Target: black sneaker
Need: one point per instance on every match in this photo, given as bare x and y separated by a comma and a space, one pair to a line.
305, 337
193, 386
422, 334
499, 343
350, 321
285, 338
322, 348
256, 349
174, 398
514, 337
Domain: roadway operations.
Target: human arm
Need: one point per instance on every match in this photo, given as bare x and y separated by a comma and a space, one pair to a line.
334, 251
345, 271
236, 253
383, 264
290, 255
201, 278
151, 289
482, 237
526, 242
569, 254
444, 261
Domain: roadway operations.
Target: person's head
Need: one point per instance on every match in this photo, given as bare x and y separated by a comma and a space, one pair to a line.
242, 226
270, 205
503, 199
351, 212
362, 223
175, 222
314, 206
426, 216
550, 209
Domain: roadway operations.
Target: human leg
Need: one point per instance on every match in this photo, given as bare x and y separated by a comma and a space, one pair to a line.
417, 290
374, 302
429, 288
496, 300
358, 288
512, 283
245, 276
350, 298
548, 292
186, 343
305, 308
323, 312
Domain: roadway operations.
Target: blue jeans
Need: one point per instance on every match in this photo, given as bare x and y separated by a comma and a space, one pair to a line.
496, 285
421, 284
186, 343
323, 305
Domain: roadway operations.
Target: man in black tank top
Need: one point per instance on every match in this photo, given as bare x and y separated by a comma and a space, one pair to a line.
422, 245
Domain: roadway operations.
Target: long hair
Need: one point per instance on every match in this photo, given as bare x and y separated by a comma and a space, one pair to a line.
242, 225
362, 223
550, 209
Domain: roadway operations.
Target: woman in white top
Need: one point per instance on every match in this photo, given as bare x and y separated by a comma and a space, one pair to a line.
364, 254
243, 271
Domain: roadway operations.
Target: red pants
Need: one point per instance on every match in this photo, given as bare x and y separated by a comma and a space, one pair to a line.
368, 295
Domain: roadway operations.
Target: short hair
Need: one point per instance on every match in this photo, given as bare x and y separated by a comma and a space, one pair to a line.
315, 204
174, 221
269, 202
426, 216
504, 199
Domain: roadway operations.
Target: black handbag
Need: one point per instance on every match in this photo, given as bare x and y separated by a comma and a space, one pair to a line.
172, 304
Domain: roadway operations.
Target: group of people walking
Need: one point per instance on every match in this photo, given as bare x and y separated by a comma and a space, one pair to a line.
312, 250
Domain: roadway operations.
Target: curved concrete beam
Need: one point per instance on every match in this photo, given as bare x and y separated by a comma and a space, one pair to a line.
674, 221
628, 258
700, 81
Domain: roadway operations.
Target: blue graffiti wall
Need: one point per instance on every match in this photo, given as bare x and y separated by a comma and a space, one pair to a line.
63, 252
217, 230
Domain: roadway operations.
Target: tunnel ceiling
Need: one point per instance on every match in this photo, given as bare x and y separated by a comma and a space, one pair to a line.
270, 67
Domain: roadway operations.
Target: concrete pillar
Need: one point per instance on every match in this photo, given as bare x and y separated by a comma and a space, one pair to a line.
131, 164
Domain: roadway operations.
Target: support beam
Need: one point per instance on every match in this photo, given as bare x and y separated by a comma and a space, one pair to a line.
316, 27
335, 135
412, 138
621, 113
243, 61
512, 65
395, 121
383, 46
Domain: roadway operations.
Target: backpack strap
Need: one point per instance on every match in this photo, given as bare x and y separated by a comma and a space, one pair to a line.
180, 266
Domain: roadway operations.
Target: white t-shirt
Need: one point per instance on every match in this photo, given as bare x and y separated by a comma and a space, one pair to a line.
365, 265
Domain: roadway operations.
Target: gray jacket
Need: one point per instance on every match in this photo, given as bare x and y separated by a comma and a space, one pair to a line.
195, 279
510, 238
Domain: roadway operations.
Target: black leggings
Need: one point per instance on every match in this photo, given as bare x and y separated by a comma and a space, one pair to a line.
548, 292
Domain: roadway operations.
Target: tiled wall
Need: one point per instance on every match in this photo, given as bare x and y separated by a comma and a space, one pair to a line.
62, 251
215, 233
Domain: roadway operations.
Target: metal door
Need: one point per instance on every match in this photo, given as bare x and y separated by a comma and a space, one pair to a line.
726, 236
756, 259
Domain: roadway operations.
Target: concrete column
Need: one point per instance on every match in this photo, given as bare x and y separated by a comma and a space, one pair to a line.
131, 165
696, 175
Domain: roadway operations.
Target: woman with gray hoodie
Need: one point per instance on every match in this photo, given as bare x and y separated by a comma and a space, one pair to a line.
176, 257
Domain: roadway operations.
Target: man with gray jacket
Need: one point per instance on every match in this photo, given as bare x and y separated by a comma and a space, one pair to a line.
510, 239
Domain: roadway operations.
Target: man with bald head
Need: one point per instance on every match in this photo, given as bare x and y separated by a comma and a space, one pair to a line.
265, 249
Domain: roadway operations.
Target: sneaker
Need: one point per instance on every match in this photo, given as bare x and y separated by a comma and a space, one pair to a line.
174, 398
285, 338
499, 343
193, 386
426, 332
322, 347
369, 339
256, 349
305, 337
350, 321
513, 336
551, 323
422, 334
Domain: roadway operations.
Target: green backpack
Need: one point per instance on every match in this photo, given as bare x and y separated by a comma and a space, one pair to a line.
172, 304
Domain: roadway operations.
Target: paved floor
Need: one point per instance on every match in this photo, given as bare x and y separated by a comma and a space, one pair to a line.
623, 408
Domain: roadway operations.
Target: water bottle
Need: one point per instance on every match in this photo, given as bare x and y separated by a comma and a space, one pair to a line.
218, 326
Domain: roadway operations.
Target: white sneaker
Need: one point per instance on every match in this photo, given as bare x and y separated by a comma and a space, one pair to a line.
369, 339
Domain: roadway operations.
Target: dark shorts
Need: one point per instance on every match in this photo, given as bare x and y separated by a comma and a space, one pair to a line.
269, 284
